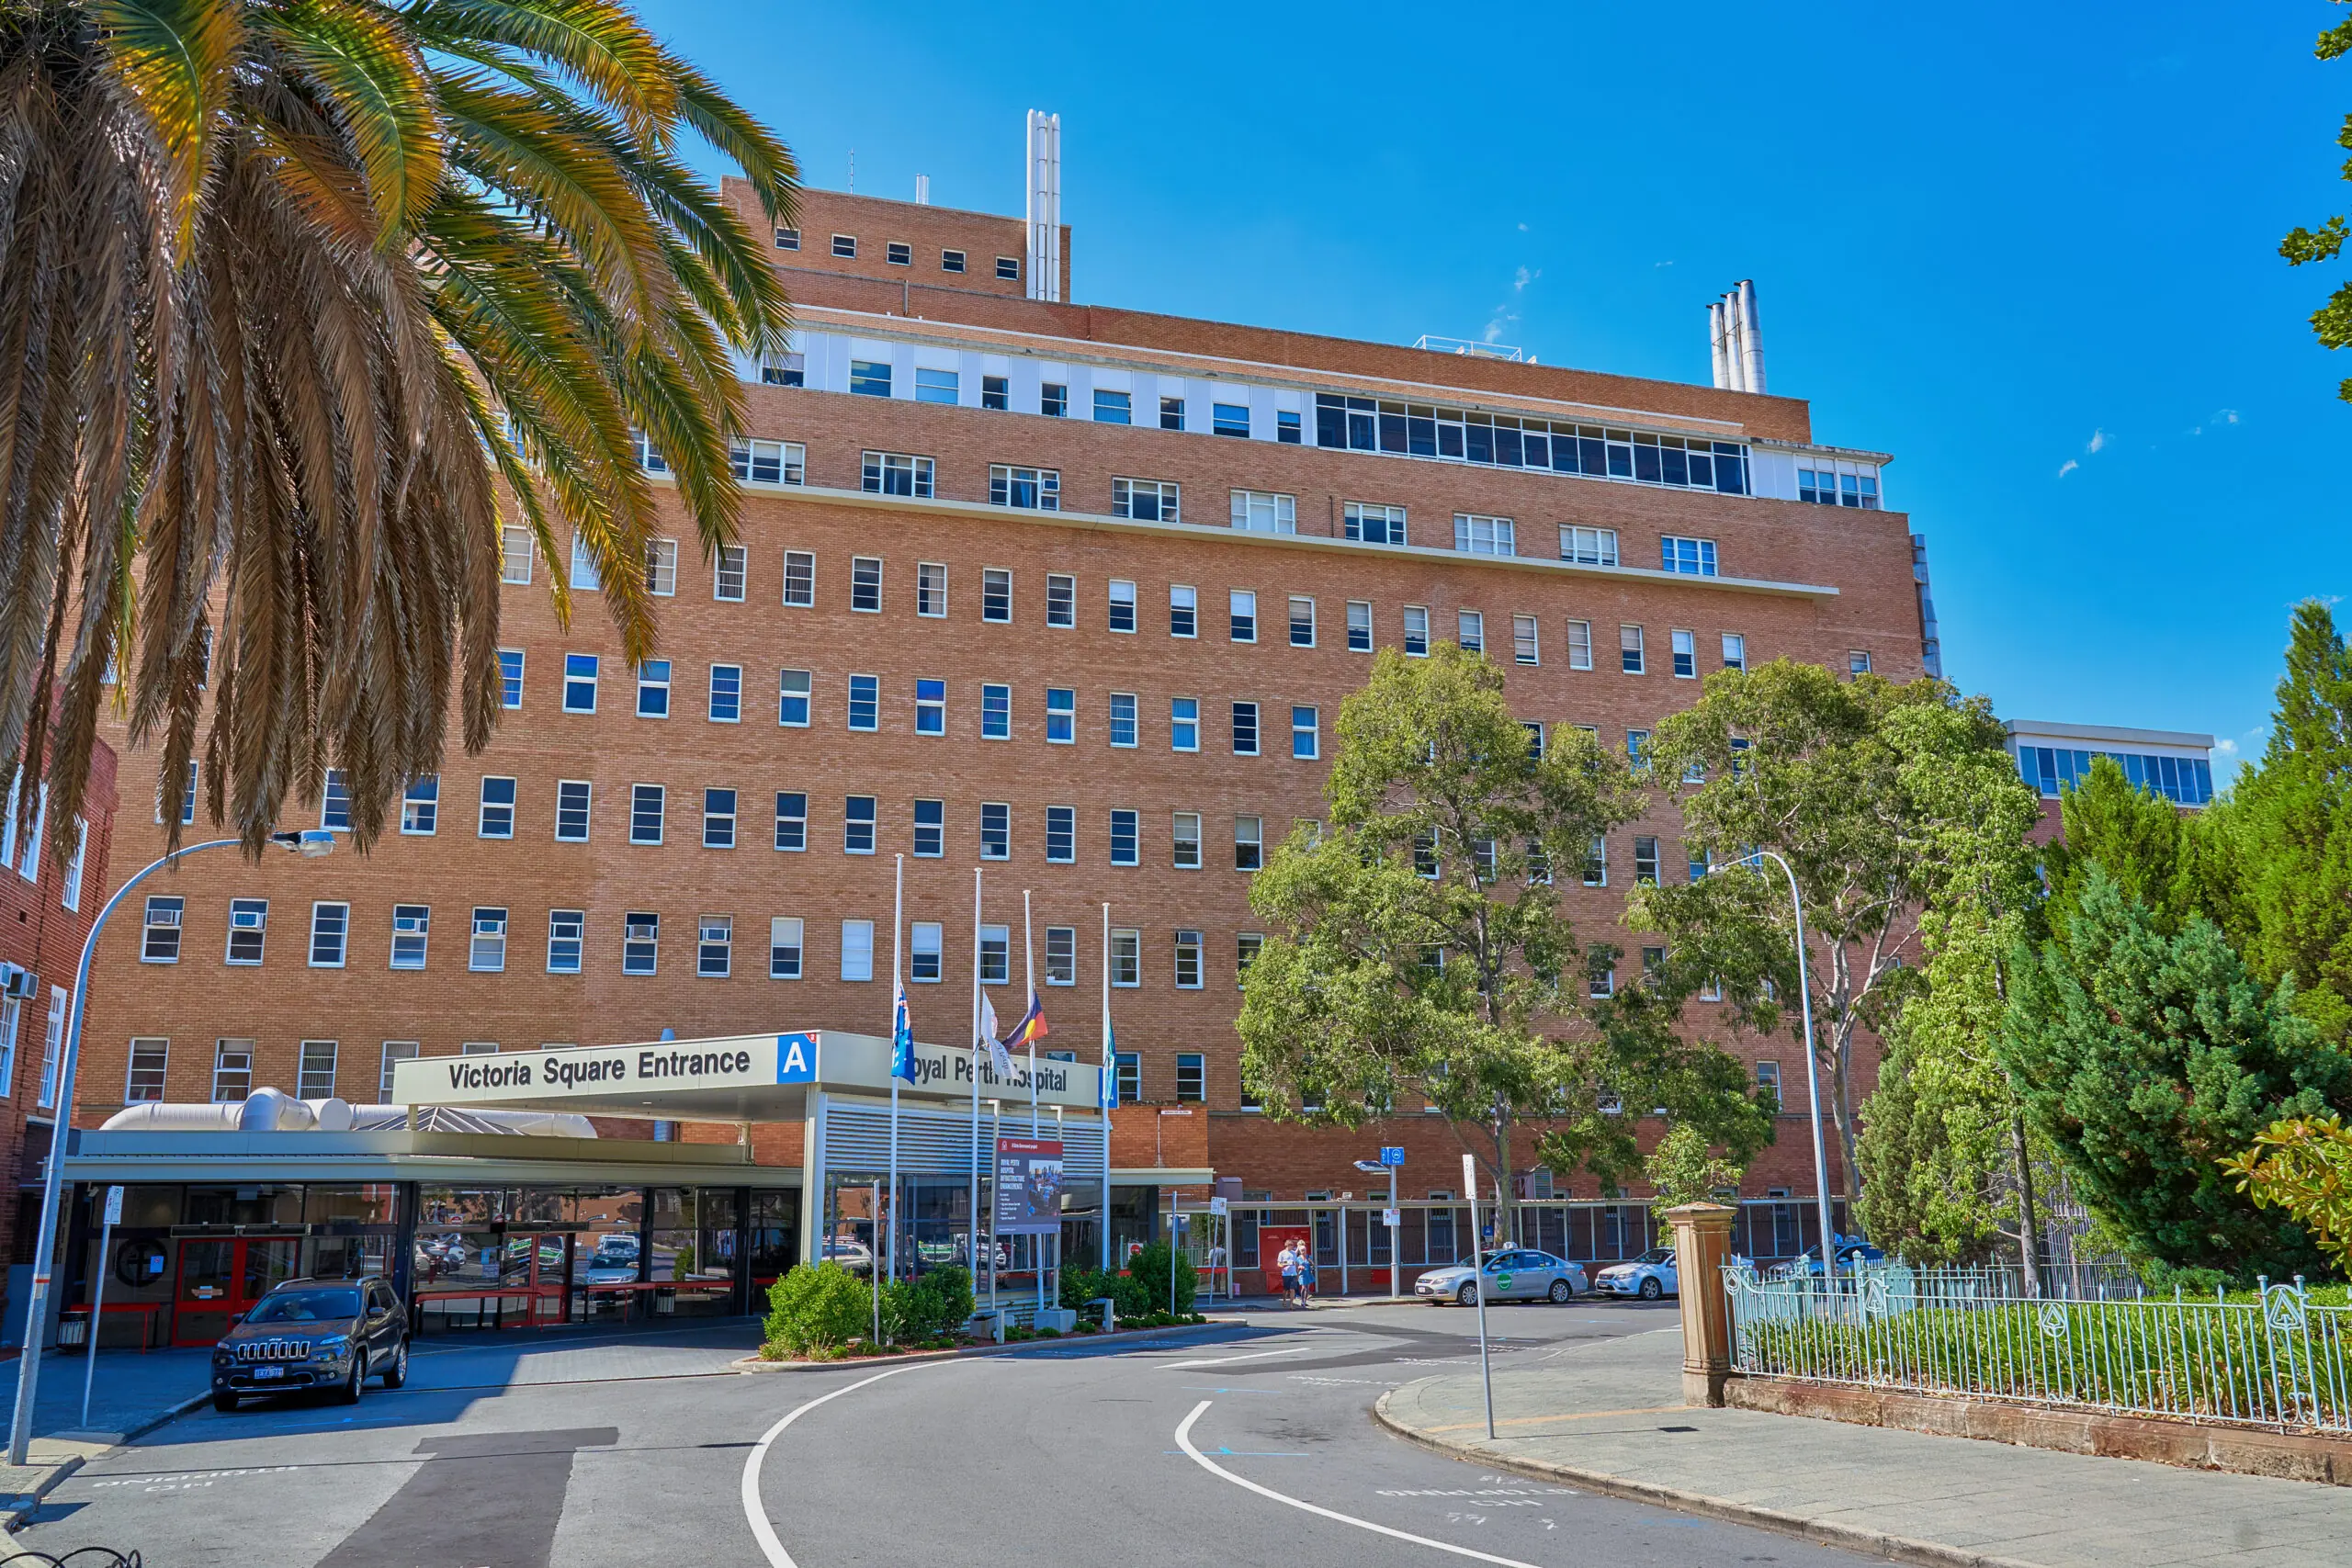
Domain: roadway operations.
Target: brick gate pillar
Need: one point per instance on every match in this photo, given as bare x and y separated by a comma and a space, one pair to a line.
1701, 1246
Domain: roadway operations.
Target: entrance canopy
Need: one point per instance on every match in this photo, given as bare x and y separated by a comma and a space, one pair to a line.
739, 1077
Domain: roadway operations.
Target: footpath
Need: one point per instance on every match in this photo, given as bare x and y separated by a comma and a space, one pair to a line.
1608, 1415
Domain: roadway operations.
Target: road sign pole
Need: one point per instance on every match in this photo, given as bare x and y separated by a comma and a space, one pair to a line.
1395, 1261
98, 1298
1479, 1286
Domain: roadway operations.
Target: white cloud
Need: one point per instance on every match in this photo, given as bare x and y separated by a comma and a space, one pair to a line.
1661, 264
2097, 442
2068, 466
2225, 748
1506, 314
2226, 416
1522, 228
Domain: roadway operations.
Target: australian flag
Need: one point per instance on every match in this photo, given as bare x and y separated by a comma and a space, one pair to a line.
902, 1037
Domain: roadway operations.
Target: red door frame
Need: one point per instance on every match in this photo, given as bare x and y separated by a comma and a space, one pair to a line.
234, 1302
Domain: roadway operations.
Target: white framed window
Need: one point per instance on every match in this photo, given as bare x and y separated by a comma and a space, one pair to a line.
1603, 975
1470, 631
1061, 716
933, 386
1188, 961
1306, 733
996, 831
1588, 547
865, 702
1629, 649
996, 595
1184, 723
895, 473
799, 579
1061, 834
1126, 830
334, 803
1735, 651
857, 824
1249, 844
1686, 557
566, 940
330, 934
793, 687
661, 568
1229, 419
1374, 524
395, 1052
1301, 621
1526, 641
1579, 645
996, 956
930, 829
1112, 408
725, 693
865, 584
995, 710
1126, 963
930, 706
768, 462
1171, 413
1244, 730
784, 951
1242, 604
514, 552
314, 1071
927, 953
248, 931
1062, 955
717, 819
791, 821
1183, 611
487, 952
233, 1071
585, 579
1123, 605
1265, 512
931, 590
1123, 727
653, 689
1061, 599
952, 261
580, 672
1684, 648
1416, 631
412, 924
150, 1058
714, 946
1482, 536
646, 807
728, 568
784, 369
510, 677
421, 806
1857, 661
497, 816
1595, 863
1187, 856
1646, 861
159, 942
1025, 488
1359, 625
1147, 501
788, 239
640, 943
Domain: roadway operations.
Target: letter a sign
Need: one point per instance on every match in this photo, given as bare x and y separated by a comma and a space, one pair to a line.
796, 1058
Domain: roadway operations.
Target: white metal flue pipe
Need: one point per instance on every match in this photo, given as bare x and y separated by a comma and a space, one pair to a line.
1716, 343
1751, 338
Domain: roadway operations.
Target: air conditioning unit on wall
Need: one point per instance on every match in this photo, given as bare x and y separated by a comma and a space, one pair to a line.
18, 983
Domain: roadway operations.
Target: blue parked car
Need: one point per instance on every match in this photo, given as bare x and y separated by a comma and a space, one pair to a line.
1853, 1253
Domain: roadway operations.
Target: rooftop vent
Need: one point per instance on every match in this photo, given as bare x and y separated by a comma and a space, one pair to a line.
1475, 350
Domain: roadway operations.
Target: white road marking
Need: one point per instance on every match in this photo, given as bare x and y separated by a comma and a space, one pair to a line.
1228, 1360
1185, 1441
762, 1530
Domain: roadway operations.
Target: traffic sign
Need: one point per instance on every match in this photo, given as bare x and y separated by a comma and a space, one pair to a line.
114, 1206
1389, 1155
1389, 1217
1217, 1205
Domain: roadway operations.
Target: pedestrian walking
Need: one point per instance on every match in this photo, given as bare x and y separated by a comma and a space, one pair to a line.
1305, 1275
1289, 1262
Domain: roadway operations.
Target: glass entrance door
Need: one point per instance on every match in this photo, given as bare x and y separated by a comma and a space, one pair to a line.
221, 1281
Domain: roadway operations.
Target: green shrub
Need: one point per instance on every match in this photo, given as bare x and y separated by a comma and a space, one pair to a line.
816, 1311
1149, 1269
930, 1307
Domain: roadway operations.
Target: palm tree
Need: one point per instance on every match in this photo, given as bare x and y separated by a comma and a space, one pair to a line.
301, 302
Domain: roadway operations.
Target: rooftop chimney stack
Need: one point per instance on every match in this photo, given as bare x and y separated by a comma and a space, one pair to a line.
1751, 340
922, 190
1715, 342
1735, 341
1044, 183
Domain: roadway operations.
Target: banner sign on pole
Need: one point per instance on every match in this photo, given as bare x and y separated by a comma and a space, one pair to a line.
1028, 1186
1390, 1218
113, 1205
1218, 1205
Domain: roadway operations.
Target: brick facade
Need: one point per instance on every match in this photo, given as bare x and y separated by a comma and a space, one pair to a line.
1801, 580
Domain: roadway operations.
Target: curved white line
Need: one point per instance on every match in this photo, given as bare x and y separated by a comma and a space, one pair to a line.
1185, 1441
763, 1531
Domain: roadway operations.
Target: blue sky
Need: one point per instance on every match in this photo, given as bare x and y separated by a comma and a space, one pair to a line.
2031, 254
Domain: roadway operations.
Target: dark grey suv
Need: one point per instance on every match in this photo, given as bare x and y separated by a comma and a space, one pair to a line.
315, 1334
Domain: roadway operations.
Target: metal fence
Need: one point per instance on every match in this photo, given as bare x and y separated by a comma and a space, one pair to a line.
2276, 1362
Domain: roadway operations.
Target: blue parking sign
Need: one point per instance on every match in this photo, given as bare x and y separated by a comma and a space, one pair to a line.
1392, 1156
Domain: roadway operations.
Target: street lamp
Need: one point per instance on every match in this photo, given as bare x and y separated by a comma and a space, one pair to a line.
309, 844
1753, 860
1395, 1275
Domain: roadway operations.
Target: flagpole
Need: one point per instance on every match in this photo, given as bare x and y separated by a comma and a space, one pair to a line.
1108, 1095
898, 995
972, 1219
1029, 983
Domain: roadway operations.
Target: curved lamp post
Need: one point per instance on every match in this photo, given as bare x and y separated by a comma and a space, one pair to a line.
309, 844
1754, 860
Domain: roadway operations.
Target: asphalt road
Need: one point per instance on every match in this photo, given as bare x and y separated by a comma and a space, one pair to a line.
1250, 1446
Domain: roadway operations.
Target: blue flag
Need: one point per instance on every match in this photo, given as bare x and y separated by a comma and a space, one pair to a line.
903, 1036
1109, 1094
